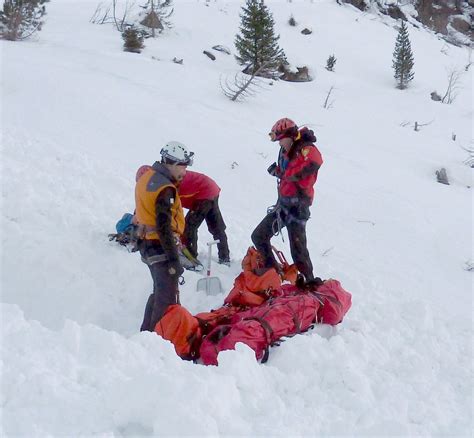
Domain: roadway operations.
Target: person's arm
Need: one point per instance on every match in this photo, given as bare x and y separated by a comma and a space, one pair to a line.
310, 166
163, 205
310, 169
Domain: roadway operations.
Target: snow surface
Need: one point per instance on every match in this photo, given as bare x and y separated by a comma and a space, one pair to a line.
79, 116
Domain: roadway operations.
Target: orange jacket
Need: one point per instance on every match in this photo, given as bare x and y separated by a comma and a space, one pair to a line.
147, 189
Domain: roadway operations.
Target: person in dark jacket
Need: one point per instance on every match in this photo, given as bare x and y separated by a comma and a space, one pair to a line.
200, 195
160, 219
297, 169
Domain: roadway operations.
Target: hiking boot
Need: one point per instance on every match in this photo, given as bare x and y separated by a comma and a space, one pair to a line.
224, 261
314, 283
309, 284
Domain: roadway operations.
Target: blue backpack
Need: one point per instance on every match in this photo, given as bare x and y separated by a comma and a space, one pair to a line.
125, 224
125, 235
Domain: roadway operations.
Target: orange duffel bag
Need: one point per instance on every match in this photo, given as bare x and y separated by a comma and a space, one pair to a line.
209, 320
182, 329
252, 290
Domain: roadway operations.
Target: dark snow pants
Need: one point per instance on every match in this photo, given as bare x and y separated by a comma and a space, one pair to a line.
294, 220
165, 286
207, 209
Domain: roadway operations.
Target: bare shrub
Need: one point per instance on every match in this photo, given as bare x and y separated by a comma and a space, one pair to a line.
452, 90
328, 103
242, 85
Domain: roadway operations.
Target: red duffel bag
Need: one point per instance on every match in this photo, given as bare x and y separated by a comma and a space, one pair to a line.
259, 327
335, 301
283, 316
225, 337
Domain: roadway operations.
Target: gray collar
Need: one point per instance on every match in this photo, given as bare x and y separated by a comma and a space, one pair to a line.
163, 170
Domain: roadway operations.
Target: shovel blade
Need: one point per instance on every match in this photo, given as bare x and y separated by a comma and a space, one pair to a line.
211, 285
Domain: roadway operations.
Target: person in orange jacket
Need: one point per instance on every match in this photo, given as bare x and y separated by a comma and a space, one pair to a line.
200, 195
160, 219
297, 169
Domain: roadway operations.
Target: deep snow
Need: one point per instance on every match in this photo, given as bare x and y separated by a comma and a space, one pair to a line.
79, 116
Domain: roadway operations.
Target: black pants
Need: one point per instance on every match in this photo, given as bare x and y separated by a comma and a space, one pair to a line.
165, 286
294, 220
206, 210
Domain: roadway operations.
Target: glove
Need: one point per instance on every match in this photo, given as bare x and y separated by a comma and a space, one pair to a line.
273, 169
175, 269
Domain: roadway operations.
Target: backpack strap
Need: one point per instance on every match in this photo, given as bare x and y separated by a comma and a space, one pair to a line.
268, 330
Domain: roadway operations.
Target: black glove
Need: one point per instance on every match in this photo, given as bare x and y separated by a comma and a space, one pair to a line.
175, 269
272, 170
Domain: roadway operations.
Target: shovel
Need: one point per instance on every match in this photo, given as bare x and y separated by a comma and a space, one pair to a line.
212, 285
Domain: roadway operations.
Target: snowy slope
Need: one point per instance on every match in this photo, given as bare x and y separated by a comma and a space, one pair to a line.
79, 116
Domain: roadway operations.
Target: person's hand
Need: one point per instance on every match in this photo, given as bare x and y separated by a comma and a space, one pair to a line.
273, 169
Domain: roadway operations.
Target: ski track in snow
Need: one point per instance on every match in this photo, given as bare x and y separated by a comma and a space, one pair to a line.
80, 116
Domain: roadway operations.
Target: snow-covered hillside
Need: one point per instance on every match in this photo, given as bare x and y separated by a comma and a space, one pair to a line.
79, 116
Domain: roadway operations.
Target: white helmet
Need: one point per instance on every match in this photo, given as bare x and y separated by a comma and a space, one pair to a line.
175, 152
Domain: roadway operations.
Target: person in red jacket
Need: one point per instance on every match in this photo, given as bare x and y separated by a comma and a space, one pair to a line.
297, 169
200, 195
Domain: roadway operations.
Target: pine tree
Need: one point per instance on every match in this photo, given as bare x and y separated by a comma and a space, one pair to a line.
330, 63
20, 19
156, 14
257, 45
133, 40
403, 58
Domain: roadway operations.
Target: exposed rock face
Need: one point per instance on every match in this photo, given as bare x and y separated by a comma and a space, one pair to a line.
435, 14
442, 176
395, 12
435, 96
359, 4
209, 54
440, 15
461, 24
447, 17
301, 75
222, 49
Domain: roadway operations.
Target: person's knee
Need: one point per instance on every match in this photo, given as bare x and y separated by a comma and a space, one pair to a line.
194, 219
219, 235
256, 237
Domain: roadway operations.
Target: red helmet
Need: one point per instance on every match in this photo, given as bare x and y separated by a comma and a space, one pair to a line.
141, 170
283, 128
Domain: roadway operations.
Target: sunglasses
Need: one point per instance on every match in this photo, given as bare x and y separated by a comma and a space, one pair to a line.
274, 136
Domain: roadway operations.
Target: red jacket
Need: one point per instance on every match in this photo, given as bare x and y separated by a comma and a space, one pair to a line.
197, 187
299, 169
